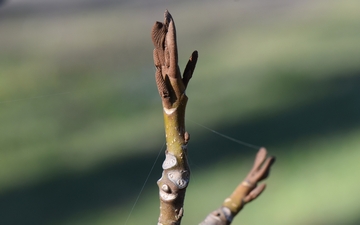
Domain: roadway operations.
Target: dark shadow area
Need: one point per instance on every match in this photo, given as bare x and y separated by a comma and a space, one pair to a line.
2, 2
356, 222
338, 111
51, 8
118, 182
26, 9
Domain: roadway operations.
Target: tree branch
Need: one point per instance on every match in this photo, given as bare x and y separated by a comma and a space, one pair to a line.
176, 172
244, 193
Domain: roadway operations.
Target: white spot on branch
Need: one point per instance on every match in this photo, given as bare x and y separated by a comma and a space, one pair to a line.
170, 161
180, 179
166, 196
169, 111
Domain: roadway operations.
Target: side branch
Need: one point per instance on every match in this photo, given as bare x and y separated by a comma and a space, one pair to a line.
244, 193
176, 172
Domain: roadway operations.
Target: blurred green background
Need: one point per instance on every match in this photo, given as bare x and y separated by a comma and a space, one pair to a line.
81, 120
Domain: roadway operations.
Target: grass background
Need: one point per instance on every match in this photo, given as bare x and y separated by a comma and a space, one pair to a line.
81, 121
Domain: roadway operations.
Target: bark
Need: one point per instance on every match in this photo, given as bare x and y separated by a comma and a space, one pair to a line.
176, 172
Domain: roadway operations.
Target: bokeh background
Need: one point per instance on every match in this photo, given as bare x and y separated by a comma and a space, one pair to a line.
81, 120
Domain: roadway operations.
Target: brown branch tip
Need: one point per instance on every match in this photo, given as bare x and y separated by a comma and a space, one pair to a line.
171, 85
